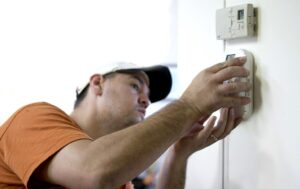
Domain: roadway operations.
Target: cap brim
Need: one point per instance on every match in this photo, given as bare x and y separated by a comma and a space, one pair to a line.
160, 81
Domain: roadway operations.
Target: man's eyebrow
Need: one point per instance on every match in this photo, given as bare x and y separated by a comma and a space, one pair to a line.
139, 79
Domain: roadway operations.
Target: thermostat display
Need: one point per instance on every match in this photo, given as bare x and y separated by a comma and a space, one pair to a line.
236, 22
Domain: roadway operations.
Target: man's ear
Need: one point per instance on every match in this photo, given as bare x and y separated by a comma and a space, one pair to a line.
96, 83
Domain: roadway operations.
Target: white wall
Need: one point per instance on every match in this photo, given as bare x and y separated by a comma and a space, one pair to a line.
263, 151
47, 47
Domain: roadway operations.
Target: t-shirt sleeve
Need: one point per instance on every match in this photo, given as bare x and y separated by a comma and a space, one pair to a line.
35, 133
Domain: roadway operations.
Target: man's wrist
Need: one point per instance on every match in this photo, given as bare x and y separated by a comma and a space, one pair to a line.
192, 110
178, 153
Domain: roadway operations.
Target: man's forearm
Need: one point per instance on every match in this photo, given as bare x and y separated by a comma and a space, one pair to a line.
173, 171
124, 154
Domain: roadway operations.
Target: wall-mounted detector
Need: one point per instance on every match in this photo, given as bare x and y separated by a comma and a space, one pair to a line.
247, 109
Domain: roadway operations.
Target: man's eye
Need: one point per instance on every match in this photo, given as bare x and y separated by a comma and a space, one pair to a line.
135, 86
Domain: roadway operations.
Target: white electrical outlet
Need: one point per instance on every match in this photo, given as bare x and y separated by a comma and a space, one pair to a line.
236, 22
247, 109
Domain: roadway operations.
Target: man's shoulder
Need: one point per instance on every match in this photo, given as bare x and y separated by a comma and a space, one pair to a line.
41, 106
36, 111
38, 115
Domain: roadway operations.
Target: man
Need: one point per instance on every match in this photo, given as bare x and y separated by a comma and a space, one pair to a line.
106, 142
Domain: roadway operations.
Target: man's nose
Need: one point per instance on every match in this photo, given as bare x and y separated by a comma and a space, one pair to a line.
144, 100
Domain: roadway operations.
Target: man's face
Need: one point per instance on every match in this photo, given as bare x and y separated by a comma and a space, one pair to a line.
127, 97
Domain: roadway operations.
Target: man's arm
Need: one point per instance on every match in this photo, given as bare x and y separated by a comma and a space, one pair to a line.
173, 172
114, 159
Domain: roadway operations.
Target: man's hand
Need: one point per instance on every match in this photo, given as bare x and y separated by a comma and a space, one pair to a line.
208, 92
172, 174
200, 137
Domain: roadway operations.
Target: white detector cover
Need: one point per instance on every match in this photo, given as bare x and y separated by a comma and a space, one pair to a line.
247, 109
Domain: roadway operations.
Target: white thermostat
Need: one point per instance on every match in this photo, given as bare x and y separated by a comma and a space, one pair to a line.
247, 109
236, 22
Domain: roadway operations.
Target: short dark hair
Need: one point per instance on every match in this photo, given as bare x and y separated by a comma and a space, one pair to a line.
80, 96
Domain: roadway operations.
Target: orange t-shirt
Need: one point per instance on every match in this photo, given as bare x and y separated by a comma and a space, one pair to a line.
29, 137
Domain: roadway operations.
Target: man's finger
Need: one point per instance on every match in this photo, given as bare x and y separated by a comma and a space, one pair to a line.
203, 119
231, 72
234, 87
232, 101
232, 62
230, 123
209, 126
221, 125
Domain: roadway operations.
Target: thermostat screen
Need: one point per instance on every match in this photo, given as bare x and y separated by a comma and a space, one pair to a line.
230, 56
240, 14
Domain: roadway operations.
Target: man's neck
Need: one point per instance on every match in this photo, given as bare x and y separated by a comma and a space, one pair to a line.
90, 122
